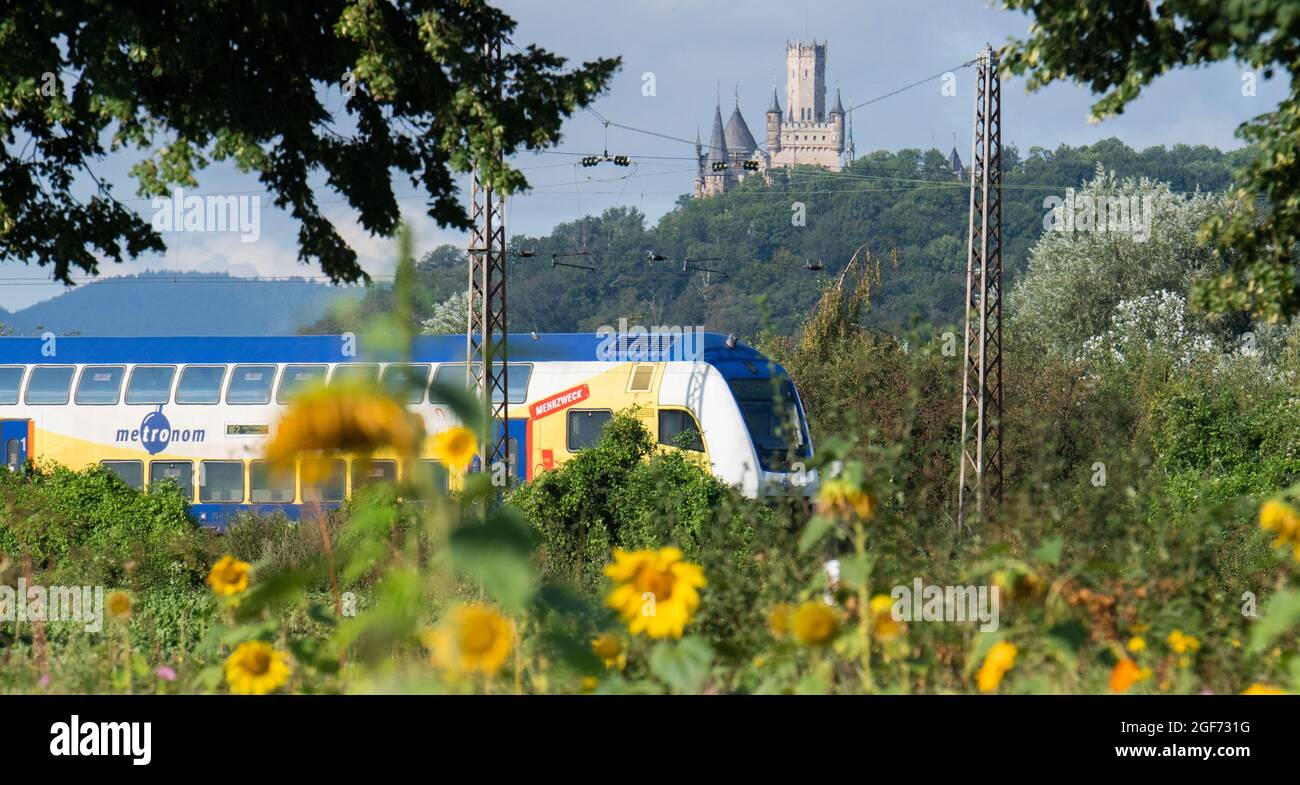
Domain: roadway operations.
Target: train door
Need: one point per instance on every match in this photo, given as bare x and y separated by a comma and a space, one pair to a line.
14, 446
516, 450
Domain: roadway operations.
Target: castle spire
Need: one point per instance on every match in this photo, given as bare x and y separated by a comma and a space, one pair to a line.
775, 108
718, 141
839, 107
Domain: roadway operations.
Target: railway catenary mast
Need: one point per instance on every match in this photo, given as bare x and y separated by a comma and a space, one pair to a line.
485, 338
981, 402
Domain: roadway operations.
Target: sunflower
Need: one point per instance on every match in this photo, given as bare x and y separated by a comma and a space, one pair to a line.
344, 419
609, 648
883, 625
119, 605
1000, 659
655, 592
1182, 643
1281, 518
778, 621
471, 639
843, 498
229, 576
455, 447
1262, 689
1136, 644
814, 624
255, 668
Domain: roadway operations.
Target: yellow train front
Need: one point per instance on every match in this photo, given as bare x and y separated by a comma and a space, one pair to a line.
198, 412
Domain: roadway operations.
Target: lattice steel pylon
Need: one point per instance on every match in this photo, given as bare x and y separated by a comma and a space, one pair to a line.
981, 400
485, 336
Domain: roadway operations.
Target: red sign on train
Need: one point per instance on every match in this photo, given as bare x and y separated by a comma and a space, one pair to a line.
559, 401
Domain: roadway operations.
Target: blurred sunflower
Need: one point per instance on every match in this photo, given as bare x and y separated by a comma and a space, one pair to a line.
1136, 644
778, 621
118, 605
455, 448
1282, 519
471, 639
344, 419
229, 576
841, 497
609, 648
255, 668
1000, 659
814, 624
655, 592
1182, 643
1262, 689
883, 626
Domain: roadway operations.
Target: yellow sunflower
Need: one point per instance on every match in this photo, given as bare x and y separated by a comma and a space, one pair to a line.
841, 497
344, 419
655, 592
814, 624
1136, 644
1262, 689
778, 621
883, 625
609, 648
471, 639
118, 605
1000, 659
455, 447
255, 668
1282, 519
1182, 643
229, 576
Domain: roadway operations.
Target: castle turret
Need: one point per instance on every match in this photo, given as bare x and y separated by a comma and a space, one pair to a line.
774, 125
837, 123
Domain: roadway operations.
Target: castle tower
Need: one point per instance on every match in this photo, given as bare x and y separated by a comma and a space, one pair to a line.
774, 125
837, 123
805, 91
716, 182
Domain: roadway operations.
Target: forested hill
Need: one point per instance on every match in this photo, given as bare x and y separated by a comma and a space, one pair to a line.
179, 304
906, 201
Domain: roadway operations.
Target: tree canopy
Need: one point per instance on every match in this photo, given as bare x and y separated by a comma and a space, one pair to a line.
1118, 47
353, 92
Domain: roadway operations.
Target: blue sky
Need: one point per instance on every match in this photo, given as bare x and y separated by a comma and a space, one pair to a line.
697, 50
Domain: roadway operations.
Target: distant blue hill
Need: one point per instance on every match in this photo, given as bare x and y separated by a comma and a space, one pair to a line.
179, 304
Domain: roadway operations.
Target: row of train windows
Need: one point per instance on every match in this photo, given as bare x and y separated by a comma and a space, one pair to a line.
249, 384
321, 479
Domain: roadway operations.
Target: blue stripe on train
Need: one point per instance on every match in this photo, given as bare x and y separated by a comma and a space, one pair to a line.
523, 347
218, 516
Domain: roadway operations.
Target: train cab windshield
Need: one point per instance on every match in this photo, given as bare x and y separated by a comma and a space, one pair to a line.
774, 419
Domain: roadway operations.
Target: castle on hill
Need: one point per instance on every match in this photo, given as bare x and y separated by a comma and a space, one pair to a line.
804, 133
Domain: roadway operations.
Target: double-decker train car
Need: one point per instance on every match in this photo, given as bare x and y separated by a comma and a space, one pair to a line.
197, 411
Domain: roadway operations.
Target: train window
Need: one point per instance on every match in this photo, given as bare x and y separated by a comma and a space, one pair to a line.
585, 426
221, 481
49, 384
370, 472
180, 473
100, 385
425, 478
641, 377
129, 472
268, 484
13, 454
150, 384
297, 377
200, 384
678, 428
323, 480
355, 373
406, 381
250, 384
11, 378
517, 377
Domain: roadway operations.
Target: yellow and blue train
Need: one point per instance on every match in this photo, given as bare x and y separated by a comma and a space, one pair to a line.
197, 411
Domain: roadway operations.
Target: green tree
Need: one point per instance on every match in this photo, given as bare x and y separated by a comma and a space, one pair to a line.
273, 88
1118, 47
